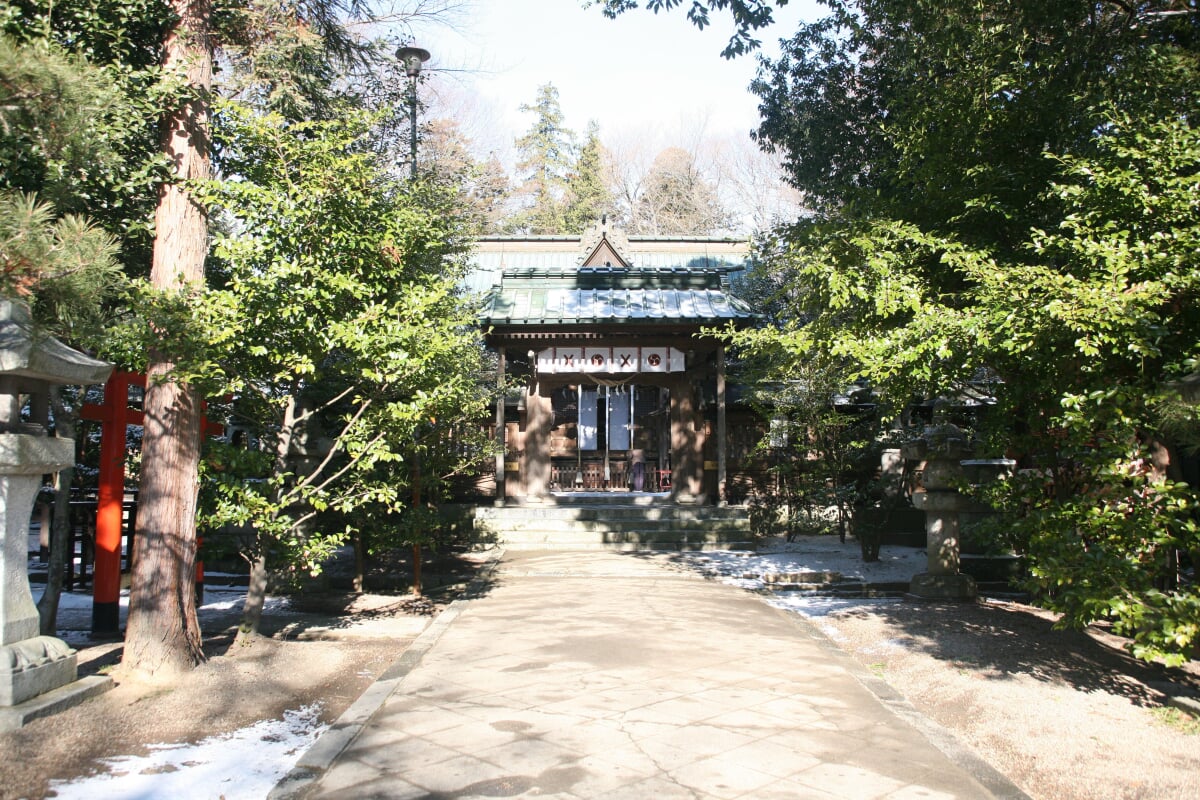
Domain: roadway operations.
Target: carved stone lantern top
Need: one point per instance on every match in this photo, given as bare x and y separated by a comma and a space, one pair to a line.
30, 363
942, 442
36, 360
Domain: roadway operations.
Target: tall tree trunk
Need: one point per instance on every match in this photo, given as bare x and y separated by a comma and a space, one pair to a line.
256, 599
60, 531
163, 634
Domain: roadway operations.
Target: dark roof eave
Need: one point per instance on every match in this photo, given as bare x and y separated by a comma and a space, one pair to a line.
501, 326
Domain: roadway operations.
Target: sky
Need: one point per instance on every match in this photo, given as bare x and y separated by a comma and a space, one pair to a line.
642, 74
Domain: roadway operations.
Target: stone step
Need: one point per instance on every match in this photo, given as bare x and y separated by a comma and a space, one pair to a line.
614, 526
610, 512
610, 498
695, 544
576, 535
600, 526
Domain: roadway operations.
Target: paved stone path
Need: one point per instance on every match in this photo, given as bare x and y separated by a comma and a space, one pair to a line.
604, 675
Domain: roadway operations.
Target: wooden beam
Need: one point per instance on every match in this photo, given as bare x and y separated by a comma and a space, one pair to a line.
500, 445
722, 445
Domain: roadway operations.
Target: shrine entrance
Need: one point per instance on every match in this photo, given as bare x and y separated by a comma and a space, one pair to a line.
606, 381
610, 437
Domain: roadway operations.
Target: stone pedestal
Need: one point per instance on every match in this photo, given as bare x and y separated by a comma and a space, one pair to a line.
29, 664
37, 673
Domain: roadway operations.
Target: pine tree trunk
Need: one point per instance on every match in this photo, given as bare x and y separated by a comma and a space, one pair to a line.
163, 634
60, 531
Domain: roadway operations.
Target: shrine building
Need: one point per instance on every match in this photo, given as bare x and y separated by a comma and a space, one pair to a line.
608, 385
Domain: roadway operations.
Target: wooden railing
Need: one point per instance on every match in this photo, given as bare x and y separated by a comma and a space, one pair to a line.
570, 476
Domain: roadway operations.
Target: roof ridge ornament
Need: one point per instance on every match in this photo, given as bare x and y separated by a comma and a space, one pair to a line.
601, 246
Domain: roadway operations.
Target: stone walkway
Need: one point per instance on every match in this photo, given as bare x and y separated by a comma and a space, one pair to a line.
605, 675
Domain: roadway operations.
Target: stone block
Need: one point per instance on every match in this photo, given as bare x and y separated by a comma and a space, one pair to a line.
942, 587
33, 667
15, 717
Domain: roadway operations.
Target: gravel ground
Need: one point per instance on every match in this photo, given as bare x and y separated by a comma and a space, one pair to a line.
1067, 715
323, 653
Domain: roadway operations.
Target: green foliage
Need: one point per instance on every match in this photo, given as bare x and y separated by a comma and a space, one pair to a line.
1010, 193
84, 134
63, 267
748, 16
823, 440
57, 129
547, 155
336, 328
588, 194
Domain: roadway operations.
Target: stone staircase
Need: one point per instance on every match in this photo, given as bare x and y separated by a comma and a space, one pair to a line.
603, 521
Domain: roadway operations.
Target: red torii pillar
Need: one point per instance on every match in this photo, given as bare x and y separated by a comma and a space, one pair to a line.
114, 417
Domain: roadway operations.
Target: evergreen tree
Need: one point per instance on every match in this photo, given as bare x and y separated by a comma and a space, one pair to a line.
59, 117
1009, 190
589, 196
547, 158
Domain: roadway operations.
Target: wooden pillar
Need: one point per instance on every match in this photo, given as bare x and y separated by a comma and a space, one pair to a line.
115, 417
722, 444
687, 445
106, 574
500, 446
535, 462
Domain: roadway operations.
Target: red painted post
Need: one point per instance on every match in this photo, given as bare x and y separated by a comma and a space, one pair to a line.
114, 416
207, 428
106, 575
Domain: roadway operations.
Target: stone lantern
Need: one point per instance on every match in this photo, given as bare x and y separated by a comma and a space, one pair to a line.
946, 451
35, 671
942, 447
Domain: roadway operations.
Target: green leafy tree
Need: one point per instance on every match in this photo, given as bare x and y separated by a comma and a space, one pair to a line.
56, 115
340, 332
81, 134
546, 151
1010, 189
283, 56
748, 16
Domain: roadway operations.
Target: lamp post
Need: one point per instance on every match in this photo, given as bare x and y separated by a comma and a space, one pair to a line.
412, 58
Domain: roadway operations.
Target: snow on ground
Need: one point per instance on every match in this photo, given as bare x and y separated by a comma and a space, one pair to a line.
814, 554
247, 763
222, 603
811, 554
244, 764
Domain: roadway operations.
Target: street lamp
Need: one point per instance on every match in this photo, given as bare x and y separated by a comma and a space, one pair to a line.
412, 58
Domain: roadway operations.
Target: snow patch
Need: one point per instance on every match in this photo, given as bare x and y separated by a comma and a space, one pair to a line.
242, 765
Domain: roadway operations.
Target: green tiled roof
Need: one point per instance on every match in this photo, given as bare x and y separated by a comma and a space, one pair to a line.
608, 296
552, 252
538, 282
